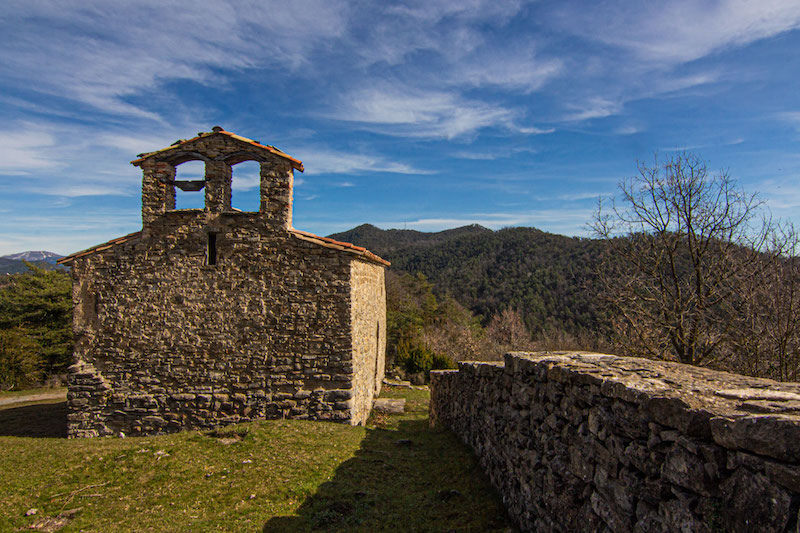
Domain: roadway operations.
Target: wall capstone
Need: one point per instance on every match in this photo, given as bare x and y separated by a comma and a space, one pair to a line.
594, 442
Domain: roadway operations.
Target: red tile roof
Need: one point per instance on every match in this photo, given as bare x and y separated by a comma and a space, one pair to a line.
303, 235
216, 130
339, 245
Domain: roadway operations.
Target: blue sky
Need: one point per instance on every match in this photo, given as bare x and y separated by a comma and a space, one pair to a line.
424, 115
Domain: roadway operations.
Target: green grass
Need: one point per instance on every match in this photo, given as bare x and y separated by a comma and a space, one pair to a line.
5, 395
281, 475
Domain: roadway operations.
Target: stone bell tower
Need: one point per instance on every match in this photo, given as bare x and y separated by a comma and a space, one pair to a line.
219, 150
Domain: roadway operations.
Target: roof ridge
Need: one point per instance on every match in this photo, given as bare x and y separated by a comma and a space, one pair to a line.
341, 245
304, 235
216, 130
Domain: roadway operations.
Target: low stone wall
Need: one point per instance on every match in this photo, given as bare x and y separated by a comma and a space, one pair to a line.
591, 442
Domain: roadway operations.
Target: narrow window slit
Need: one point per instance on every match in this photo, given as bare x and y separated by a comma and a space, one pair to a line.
211, 252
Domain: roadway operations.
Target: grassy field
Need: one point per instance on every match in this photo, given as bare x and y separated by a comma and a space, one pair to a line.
6, 395
282, 475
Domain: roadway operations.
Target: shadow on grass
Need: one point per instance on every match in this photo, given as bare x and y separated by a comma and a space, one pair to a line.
411, 478
37, 420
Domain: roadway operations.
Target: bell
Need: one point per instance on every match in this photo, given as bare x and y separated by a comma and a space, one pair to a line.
190, 185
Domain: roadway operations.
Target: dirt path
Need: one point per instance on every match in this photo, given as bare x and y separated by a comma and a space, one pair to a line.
52, 395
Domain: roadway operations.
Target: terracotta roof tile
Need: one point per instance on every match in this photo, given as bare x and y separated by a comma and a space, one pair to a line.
296, 163
304, 235
339, 245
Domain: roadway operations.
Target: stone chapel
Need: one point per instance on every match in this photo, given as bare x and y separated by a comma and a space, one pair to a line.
213, 316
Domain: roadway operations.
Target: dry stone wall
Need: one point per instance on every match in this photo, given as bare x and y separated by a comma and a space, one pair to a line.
591, 442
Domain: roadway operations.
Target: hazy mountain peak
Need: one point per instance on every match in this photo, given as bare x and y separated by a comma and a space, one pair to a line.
38, 255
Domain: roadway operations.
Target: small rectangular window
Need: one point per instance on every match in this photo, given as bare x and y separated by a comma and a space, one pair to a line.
211, 252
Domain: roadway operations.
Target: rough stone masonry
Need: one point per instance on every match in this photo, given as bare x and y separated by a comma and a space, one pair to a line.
213, 316
592, 442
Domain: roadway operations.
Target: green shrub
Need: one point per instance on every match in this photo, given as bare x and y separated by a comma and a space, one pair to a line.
442, 362
414, 357
417, 357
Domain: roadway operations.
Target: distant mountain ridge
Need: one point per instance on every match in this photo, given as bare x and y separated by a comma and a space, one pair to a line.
39, 255
547, 277
385, 242
14, 263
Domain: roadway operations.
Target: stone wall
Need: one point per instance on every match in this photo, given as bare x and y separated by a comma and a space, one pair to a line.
590, 442
368, 309
178, 343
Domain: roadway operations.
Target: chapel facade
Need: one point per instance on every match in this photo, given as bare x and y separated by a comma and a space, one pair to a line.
214, 316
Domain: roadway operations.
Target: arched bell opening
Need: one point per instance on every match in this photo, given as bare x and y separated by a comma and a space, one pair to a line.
189, 183
245, 186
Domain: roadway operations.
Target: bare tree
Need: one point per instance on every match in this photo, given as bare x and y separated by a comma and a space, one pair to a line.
766, 336
681, 242
508, 330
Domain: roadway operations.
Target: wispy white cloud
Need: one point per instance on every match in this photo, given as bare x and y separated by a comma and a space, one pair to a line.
501, 152
515, 67
480, 156
532, 130
391, 34
323, 161
666, 84
792, 117
434, 11
627, 130
105, 53
782, 194
132, 143
681, 30
70, 190
595, 107
573, 197
72, 160
691, 147
27, 148
67, 231
416, 113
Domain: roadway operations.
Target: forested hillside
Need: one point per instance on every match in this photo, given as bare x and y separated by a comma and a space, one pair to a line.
547, 278
390, 241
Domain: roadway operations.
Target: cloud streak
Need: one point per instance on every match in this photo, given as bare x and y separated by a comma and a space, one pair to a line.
409, 112
26, 149
681, 30
332, 162
105, 53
